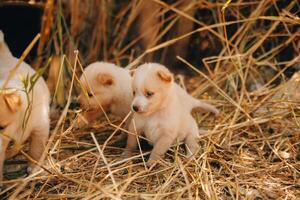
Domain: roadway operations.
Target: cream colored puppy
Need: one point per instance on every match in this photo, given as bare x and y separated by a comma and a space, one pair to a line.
21, 119
108, 85
287, 95
162, 111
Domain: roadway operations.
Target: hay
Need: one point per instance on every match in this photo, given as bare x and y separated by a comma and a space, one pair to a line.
250, 151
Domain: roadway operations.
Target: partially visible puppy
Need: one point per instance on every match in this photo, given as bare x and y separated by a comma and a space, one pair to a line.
287, 96
108, 85
162, 111
289, 91
22, 116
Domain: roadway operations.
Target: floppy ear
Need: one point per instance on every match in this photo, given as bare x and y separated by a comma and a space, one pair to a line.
105, 79
131, 72
13, 101
165, 75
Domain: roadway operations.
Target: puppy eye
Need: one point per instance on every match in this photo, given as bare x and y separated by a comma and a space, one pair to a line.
90, 94
149, 94
133, 92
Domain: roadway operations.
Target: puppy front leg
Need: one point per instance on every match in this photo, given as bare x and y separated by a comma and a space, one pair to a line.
123, 135
37, 146
191, 139
132, 142
191, 144
161, 146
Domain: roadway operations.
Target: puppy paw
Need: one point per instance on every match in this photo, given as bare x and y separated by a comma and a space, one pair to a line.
216, 111
203, 132
126, 153
45, 170
190, 155
33, 169
151, 163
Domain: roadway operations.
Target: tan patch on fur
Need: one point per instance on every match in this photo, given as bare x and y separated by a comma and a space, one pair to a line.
165, 76
105, 79
13, 101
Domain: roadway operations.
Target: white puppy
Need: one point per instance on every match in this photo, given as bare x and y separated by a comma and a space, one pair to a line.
108, 85
21, 116
162, 111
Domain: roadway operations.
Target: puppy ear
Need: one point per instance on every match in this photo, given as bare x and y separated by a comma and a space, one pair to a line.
105, 79
165, 75
131, 72
13, 101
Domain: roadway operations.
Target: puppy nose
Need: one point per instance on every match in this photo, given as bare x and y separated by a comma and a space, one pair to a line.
135, 108
74, 105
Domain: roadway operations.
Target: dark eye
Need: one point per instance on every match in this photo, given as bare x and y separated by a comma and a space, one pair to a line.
149, 94
133, 93
90, 94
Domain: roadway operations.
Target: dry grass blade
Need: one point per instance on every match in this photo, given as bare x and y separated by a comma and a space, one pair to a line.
242, 55
21, 59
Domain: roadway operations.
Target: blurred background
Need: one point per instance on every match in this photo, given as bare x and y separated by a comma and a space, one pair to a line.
262, 36
121, 30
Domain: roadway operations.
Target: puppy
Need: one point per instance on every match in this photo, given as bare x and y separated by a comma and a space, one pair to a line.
287, 95
21, 116
289, 90
162, 111
108, 85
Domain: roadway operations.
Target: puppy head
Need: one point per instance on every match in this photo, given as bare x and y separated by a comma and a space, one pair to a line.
10, 103
151, 85
99, 84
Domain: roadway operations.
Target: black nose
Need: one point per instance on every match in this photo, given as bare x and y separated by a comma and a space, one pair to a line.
135, 108
74, 105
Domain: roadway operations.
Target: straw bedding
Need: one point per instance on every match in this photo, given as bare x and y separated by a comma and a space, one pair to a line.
246, 54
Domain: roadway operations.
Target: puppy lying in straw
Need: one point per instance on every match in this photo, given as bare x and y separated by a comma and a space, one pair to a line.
286, 95
24, 112
107, 85
162, 111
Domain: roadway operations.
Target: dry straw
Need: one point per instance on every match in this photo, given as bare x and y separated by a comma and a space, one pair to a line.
250, 151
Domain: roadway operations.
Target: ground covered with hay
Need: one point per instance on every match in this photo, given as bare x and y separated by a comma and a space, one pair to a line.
241, 56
